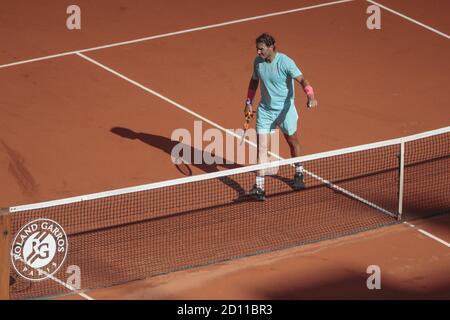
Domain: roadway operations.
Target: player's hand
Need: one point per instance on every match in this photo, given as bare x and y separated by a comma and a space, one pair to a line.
248, 109
311, 103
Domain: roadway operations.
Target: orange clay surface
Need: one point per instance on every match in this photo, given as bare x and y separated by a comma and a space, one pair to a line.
57, 136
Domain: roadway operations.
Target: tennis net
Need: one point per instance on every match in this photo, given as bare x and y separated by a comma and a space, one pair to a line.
134, 233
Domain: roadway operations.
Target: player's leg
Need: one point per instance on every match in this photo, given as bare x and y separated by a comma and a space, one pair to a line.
265, 124
263, 141
289, 128
294, 144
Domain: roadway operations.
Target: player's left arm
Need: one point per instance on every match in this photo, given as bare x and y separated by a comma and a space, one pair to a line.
308, 89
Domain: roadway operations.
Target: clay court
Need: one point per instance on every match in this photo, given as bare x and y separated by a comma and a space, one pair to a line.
93, 110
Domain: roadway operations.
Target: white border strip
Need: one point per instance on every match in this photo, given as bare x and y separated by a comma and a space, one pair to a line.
429, 235
410, 19
211, 26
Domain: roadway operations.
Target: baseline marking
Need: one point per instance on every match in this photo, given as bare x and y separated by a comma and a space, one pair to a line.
411, 19
211, 26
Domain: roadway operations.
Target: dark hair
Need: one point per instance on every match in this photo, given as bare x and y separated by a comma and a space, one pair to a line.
267, 39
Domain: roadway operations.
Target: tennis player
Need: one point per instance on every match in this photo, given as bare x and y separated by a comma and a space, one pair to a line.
276, 72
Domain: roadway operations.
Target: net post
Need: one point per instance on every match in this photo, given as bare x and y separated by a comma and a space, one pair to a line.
5, 237
401, 179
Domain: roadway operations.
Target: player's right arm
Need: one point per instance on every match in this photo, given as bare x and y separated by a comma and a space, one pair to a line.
252, 87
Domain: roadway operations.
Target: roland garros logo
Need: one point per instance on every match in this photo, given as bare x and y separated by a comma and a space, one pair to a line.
39, 249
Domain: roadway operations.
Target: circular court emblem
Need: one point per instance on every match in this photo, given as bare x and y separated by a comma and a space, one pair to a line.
39, 249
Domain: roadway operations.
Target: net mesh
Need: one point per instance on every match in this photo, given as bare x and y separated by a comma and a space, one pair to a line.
137, 235
427, 176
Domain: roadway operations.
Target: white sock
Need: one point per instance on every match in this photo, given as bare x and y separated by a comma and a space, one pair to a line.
260, 182
298, 168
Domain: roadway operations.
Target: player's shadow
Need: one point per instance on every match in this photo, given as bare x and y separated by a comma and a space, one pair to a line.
168, 145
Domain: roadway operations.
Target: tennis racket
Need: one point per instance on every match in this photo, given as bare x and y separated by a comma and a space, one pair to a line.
248, 117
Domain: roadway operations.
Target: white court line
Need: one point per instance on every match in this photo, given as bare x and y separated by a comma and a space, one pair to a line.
429, 235
67, 286
411, 19
62, 283
211, 26
179, 106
